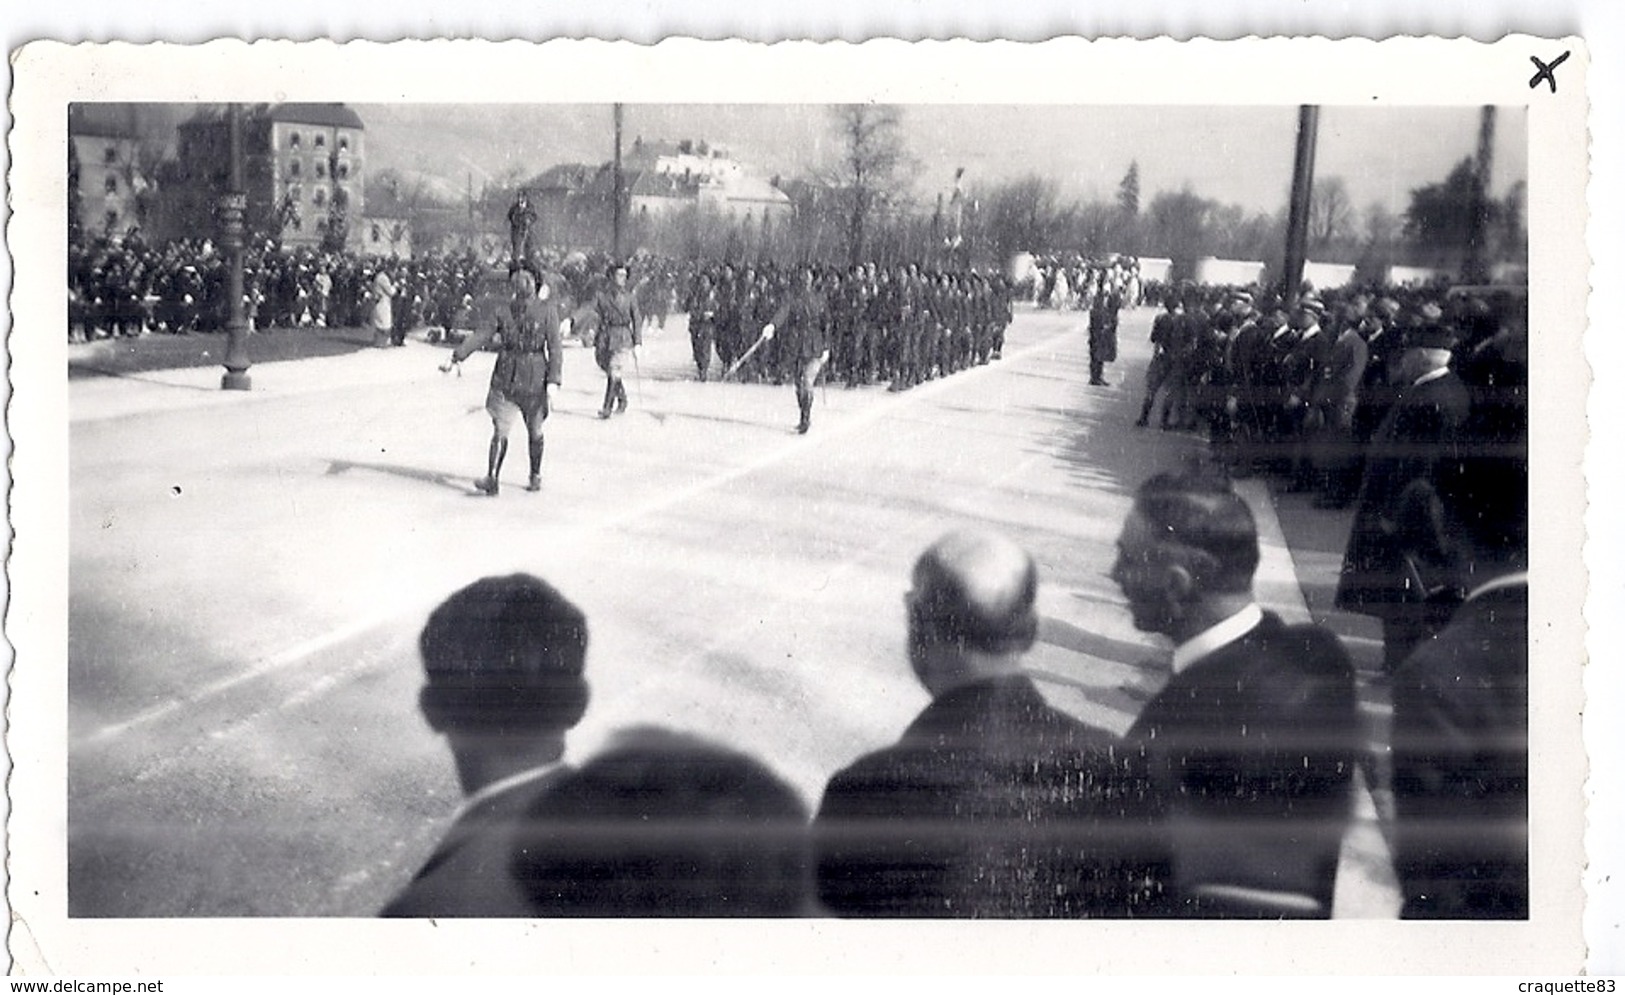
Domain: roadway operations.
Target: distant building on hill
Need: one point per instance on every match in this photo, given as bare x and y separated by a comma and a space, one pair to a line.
664, 176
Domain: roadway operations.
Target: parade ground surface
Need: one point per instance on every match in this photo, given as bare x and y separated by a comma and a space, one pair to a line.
249, 572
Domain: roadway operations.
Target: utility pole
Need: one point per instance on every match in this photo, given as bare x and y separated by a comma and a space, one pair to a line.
617, 218
1303, 185
233, 205
1477, 268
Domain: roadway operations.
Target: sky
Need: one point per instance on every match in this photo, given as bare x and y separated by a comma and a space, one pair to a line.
1240, 155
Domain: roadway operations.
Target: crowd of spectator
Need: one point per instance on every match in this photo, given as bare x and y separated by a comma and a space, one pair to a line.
127, 288
1075, 282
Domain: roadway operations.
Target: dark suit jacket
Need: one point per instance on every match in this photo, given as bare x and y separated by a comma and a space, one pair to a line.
468, 875
1418, 433
1461, 764
993, 804
1250, 754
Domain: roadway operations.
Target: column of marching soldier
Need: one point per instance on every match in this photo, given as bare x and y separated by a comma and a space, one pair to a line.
897, 325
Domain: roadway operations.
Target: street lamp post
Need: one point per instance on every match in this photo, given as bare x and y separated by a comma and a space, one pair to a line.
233, 206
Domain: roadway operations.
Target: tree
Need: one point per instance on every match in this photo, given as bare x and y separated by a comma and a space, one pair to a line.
75, 234
1382, 226
1021, 215
1331, 214
1128, 191
870, 172
1441, 217
1178, 224
1513, 234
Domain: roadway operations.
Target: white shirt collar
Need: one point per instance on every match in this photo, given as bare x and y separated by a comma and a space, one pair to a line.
1217, 636
497, 787
1508, 580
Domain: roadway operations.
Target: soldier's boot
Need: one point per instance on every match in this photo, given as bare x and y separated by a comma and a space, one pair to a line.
620, 396
536, 446
609, 400
498, 452
806, 415
1145, 414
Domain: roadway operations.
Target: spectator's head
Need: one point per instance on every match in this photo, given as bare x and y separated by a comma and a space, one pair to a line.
503, 664
664, 824
1308, 312
1187, 554
972, 610
1429, 344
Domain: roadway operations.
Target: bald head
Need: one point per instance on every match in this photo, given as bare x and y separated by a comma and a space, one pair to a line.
976, 591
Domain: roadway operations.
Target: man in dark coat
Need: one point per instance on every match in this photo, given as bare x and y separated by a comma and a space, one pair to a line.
805, 320
993, 803
1418, 433
503, 664
1249, 749
1103, 334
527, 374
1461, 699
1169, 338
1332, 405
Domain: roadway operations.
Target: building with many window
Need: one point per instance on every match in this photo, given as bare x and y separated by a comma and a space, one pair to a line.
304, 170
110, 180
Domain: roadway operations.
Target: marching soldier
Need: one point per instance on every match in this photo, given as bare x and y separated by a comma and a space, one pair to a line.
525, 380
805, 319
703, 307
620, 333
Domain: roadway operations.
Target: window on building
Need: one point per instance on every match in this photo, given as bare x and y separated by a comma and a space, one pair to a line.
110, 154
319, 198
321, 170
343, 171
344, 144
321, 141
110, 221
293, 168
111, 185
293, 140
376, 234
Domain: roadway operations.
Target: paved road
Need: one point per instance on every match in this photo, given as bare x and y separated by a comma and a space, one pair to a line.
249, 571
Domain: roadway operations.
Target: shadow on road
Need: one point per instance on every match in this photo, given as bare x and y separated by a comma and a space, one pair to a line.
457, 482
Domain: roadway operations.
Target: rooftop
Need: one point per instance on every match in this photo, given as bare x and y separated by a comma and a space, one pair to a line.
325, 115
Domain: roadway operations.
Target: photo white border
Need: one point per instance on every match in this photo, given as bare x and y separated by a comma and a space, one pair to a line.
1404, 71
